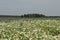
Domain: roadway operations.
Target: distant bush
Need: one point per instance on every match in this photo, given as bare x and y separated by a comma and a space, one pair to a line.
32, 15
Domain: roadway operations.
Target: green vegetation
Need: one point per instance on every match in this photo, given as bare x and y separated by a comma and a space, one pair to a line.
30, 29
32, 15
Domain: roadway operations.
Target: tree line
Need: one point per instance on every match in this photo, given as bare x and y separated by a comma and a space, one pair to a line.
32, 15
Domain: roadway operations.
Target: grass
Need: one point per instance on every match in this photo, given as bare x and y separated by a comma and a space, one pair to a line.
39, 29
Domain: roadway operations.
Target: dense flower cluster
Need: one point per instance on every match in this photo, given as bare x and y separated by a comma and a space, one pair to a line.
30, 30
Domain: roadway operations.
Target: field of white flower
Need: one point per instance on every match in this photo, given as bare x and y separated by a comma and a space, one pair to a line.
30, 30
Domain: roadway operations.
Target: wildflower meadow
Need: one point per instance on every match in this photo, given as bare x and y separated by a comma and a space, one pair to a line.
38, 29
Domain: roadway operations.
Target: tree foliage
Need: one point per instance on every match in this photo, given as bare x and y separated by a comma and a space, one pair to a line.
32, 15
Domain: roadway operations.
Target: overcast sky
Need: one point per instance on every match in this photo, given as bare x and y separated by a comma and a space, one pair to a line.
18, 7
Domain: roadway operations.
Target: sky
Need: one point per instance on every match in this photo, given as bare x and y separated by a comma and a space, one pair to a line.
19, 7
